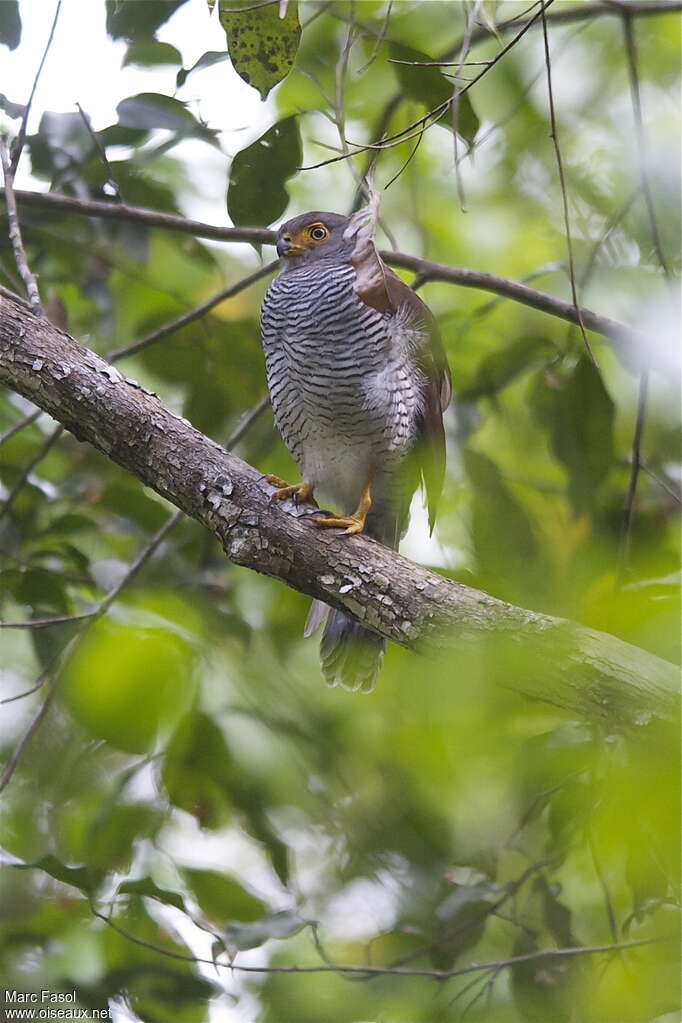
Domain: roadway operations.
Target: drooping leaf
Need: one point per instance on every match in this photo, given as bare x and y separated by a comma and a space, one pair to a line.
461, 917
251, 935
197, 770
84, 878
257, 193
148, 888
14, 110
499, 368
130, 19
113, 835
59, 147
151, 110
207, 59
427, 85
149, 52
10, 24
262, 45
579, 414
222, 898
506, 548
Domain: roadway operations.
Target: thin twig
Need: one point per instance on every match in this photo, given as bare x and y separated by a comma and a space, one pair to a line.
466, 46
663, 484
18, 143
437, 113
42, 451
44, 623
494, 964
103, 154
101, 609
26, 421
560, 166
631, 51
628, 510
193, 314
378, 42
27, 277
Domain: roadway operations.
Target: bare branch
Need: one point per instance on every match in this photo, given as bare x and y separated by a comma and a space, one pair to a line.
562, 180
618, 332
395, 971
590, 673
18, 143
27, 277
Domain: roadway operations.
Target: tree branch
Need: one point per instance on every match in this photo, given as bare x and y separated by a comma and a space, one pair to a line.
430, 270
576, 668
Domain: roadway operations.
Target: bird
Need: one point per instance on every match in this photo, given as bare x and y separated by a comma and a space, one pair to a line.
358, 383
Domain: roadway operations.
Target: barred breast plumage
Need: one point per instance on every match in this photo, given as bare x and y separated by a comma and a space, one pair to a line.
358, 384
343, 389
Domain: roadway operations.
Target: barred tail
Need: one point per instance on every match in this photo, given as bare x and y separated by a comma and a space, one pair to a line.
350, 656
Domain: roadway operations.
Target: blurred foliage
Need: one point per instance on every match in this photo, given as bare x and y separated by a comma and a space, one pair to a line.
194, 782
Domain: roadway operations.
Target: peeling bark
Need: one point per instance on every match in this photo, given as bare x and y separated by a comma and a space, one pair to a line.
586, 672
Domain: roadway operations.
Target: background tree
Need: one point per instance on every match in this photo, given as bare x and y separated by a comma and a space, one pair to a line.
180, 789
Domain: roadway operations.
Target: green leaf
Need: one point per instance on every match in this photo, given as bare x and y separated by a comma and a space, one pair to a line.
130, 685
150, 110
10, 23
222, 898
114, 835
148, 52
208, 59
150, 890
507, 553
579, 414
256, 194
43, 591
84, 878
13, 110
130, 19
251, 935
427, 85
499, 368
262, 45
197, 771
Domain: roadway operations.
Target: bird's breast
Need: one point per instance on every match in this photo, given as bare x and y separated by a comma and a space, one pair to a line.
340, 380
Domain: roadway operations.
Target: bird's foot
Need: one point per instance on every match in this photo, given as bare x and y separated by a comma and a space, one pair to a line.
351, 524
302, 493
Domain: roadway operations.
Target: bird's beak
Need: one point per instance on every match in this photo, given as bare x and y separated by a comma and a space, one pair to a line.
286, 247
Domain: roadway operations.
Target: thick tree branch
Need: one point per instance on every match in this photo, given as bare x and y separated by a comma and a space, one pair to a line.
426, 268
586, 672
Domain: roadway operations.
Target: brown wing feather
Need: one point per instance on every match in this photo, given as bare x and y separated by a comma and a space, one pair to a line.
378, 286
436, 391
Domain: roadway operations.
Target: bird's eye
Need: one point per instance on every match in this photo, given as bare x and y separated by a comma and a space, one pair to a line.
318, 233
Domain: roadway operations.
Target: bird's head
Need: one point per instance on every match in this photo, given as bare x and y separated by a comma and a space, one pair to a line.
313, 236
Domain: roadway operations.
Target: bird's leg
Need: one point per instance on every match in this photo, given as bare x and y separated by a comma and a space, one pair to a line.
302, 493
354, 523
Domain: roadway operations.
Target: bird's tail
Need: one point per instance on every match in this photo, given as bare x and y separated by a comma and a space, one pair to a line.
350, 655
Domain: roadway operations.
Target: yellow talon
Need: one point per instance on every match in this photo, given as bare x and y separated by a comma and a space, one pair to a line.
301, 492
354, 523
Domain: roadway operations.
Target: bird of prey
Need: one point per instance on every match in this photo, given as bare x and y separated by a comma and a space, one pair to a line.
358, 382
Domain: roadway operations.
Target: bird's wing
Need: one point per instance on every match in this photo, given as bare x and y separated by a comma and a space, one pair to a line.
378, 286
436, 389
